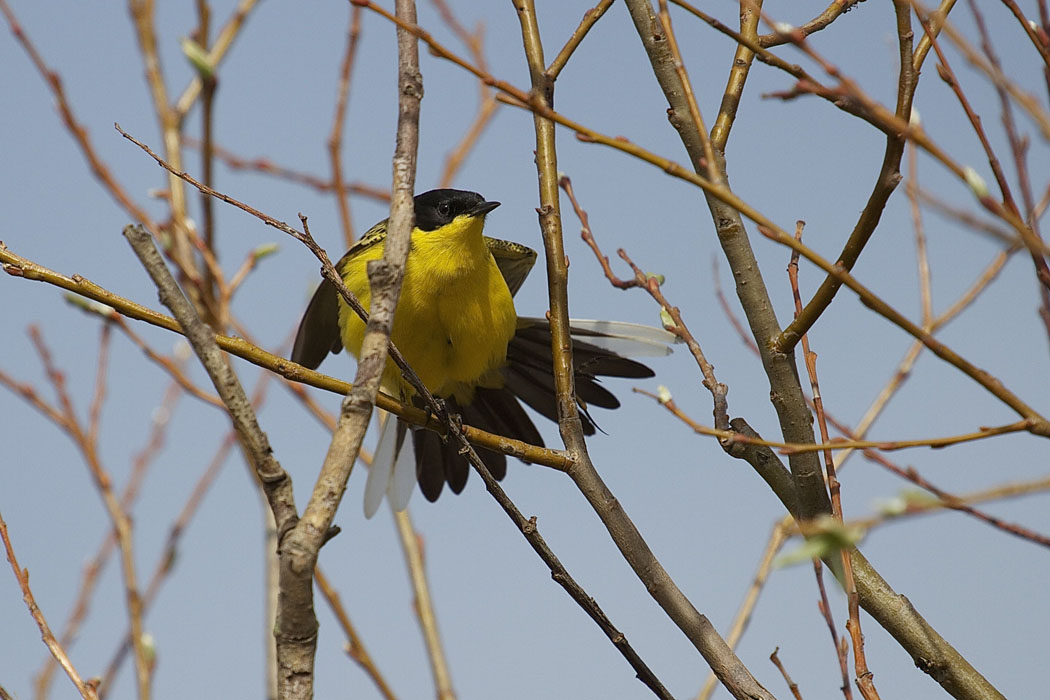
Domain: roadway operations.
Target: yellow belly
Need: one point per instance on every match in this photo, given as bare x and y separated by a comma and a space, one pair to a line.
454, 319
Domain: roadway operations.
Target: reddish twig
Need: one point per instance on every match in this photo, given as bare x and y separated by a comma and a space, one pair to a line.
89, 578
335, 138
864, 676
117, 514
268, 167
841, 647
792, 685
651, 284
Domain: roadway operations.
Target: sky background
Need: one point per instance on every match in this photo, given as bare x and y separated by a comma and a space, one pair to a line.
509, 631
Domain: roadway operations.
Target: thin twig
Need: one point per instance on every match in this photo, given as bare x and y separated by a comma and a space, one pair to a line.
355, 648
267, 167
86, 690
863, 675
412, 547
742, 618
833, 11
335, 138
77, 130
590, 17
169, 554
140, 462
117, 514
651, 284
223, 42
841, 648
487, 105
792, 686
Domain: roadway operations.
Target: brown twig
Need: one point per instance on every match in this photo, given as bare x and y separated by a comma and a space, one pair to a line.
792, 686
833, 11
140, 463
841, 646
335, 137
921, 255
181, 251
75, 128
268, 167
355, 648
1026, 101
904, 507
863, 675
788, 448
696, 121
1031, 240
651, 284
412, 547
743, 58
212, 286
590, 17
947, 500
117, 514
487, 105
169, 554
742, 618
221, 46
1019, 146
86, 690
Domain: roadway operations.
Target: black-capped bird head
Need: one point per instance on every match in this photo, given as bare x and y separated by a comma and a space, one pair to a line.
437, 208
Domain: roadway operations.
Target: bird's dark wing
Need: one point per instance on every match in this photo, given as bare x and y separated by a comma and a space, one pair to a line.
514, 261
319, 332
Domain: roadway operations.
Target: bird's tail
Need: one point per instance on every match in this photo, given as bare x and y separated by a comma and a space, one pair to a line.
393, 469
600, 349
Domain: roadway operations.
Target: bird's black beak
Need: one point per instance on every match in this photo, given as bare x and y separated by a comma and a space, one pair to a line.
483, 208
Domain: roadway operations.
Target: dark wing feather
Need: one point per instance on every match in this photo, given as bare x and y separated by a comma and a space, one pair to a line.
535, 341
318, 332
535, 387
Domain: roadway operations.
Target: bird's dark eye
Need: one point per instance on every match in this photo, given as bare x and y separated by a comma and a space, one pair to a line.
444, 210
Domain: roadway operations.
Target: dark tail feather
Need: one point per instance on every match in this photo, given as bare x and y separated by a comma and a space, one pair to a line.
492, 410
430, 462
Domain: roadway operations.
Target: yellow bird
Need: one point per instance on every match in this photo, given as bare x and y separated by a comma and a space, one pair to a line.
457, 327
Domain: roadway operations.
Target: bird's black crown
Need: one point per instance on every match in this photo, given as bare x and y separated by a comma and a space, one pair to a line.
436, 208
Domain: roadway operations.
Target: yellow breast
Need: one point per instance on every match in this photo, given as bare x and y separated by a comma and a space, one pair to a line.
455, 316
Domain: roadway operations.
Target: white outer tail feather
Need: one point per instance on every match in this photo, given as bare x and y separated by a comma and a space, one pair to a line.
403, 481
624, 339
382, 463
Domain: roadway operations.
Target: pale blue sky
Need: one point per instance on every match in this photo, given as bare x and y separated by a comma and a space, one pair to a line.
509, 631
